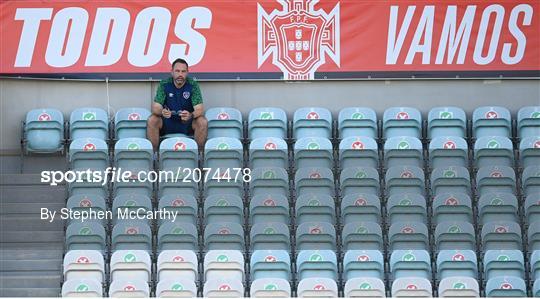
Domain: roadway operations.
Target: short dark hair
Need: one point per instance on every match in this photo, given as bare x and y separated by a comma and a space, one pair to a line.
179, 60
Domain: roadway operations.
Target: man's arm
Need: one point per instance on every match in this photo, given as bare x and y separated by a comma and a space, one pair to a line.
198, 110
157, 105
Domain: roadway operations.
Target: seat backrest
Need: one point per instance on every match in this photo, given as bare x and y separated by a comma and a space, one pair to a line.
174, 263
267, 122
403, 150
269, 208
317, 288
88, 153
177, 235
84, 264
270, 264
358, 152
366, 206
501, 235
88, 203
447, 121
363, 263
506, 286
86, 236
406, 207
452, 179
459, 286
271, 235
178, 287
365, 287
89, 122
315, 236
402, 121
491, 121
269, 288
528, 122
129, 288
410, 263
178, 152
313, 207
496, 179
498, 206
452, 207
504, 263
44, 130
455, 236
224, 122
456, 263
131, 265
131, 122
411, 287
225, 208
224, 235
313, 152
312, 122
131, 235
82, 288
314, 180
362, 236
357, 121
447, 151
184, 205
268, 152
224, 263
530, 180
316, 263
223, 287
269, 180
405, 179
408, 235
359, 180
493, 150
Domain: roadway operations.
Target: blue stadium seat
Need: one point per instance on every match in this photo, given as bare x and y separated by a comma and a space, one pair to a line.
312, 207
504, 263
88, 153
406, 207
131, 123
358, 152
491, 121
411, 287
452, 179
223, 287
44, 131
223, 263
224, 185
402, 121
133, 185
452, 207
313, 152
269, 180
529, 151
270, 288
528, 122
312, 122
362, 236
530, 180
267, 122
316, 264
172, 264
224, 122
89, 122
177, 236
536, 288
403, 151
184, 205
87, 203
131, 153
497, 207
223, 208
85, 236
82, 287
354, 180
178, 152
535, 264
131, 203
268, 152
368, 287
315, 236
360, 206
493, 150
408, 235
495, 179
455, 236
501, 235
317, 287
275, 264
84, 264
357, 121
269, 208
410, 263
533, 236
131, 265
314, 181
506, 286
272, 235
532, 208
363, 263
177, 287
447, 121
86, 187
224, 236
445, 151
129, 288
406, 179
179, 183
223, 152
457, 286
131, 235
457, 263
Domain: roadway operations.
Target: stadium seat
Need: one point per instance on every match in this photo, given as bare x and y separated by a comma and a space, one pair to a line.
314, 181
315, 236
408, 235
358, 152
87, 203
406, 207
84, 264
357, 121
529, 151
316, 263
178, 287
131, 123
44, 131
224, 122
313, 152
493, 150
225, 184
411, 287
456, 286
224, 263
184, 205
504, 286
269, 181
536, 288
312, 207
410, 263
129, 289
447, 121
354, 180
172, 264
85, 236
86, 187
491, 121
177, 236
88, 153
223, 153
269, 208
131, 203
264, 122
178, 152
535, 264
364, 287
504, 263
223, 288
131, 235
89, 122
317, 288
457, 263
402, 121
179, 183
133, 185
223, 208
530, 180
272, 235
406, 179
445, 151
403, 151
131, 265
312, 122
223, 236
363, 263
82, 288
453, 179
532, 208
452, 207
495, 179
501, 235
268, 152
270, 288
533, 235
528, 122
133, 153
270, 264
360, 206
498, 207
362, 236
455, 236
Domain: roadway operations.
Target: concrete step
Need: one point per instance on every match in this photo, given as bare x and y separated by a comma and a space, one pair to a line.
23, 179
30, 254
30, 292
32, 281
13, 223
34, 266
28, 208
33, 194
31, 237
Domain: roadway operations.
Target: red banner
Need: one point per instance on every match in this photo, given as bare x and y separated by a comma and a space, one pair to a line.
289, 39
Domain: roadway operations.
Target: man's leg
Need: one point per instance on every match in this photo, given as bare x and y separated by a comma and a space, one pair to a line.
153, 127
200, 128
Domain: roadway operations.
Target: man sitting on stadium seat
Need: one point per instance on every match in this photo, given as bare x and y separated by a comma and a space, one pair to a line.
178, 107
